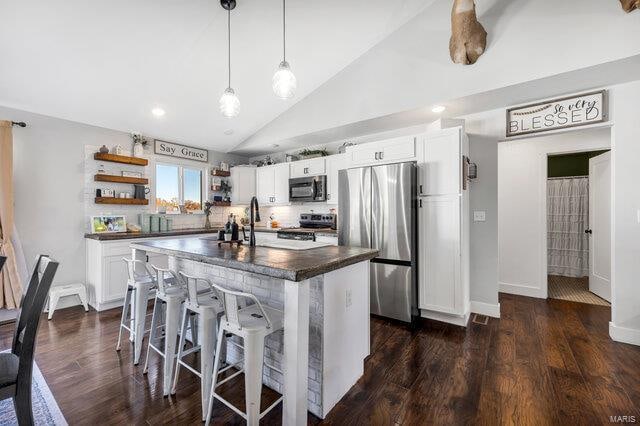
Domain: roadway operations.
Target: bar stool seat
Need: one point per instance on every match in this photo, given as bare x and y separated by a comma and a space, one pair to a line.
252, 320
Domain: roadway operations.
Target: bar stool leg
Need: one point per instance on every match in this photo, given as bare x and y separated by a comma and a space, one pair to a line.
141, 299
207, 347
253, 358
172, 316
183, 333
125, 313
216, 367
152, 333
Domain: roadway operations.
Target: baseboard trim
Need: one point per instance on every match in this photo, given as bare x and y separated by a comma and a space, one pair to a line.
460, 320
521, 290
624, 334
488, 309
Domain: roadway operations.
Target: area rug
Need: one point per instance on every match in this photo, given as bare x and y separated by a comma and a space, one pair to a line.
45, 407
574, 290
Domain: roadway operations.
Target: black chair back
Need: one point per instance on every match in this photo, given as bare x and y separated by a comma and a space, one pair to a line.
2, 260
24, 341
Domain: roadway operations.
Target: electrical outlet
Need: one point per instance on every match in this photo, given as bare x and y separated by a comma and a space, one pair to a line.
348, 297
479, 216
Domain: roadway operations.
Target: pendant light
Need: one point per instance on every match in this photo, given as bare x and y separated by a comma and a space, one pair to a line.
229, 102
284, 82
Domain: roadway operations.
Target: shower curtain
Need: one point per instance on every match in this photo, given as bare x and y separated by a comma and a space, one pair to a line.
567, 219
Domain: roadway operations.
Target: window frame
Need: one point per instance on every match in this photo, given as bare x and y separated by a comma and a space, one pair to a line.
204, 170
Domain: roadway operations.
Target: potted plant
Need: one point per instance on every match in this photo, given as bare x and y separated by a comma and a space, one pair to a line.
313, 153
139, 142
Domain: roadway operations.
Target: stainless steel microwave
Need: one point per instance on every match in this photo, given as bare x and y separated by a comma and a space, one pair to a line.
312, 188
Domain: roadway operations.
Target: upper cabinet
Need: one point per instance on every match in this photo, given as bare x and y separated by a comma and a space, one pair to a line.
335, 163
440, 162
382, 152
272, 184
304, 168
243, 184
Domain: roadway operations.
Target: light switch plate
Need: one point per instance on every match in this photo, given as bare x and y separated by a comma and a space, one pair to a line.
479, 215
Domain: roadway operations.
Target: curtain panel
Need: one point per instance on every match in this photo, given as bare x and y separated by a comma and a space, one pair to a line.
567, 219
10, 285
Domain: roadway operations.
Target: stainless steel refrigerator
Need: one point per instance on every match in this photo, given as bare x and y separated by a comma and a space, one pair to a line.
377, 208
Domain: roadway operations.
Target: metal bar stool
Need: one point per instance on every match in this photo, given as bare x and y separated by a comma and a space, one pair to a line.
170, 295
207, 308
253, 324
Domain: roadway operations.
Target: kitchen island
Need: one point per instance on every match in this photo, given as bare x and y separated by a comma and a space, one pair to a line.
324, 293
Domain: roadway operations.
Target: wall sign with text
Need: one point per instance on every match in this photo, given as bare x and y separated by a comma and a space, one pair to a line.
574, 111
181, 151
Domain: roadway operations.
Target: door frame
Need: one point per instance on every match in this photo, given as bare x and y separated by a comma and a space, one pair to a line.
543, 214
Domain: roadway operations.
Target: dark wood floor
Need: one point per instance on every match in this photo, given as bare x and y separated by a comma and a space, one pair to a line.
543, 362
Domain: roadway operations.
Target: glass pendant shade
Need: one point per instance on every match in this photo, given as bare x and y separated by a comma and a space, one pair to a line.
284, 82
229, 103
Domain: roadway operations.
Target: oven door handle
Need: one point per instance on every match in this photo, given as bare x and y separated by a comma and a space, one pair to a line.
314, 195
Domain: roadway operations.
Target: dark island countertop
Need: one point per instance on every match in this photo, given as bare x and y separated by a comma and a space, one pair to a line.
292, 265
136, 235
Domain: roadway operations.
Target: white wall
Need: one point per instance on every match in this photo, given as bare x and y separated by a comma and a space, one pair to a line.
49, 185
625, 324
522, 172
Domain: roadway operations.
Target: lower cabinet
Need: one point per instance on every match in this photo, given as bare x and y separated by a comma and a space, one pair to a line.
441, 250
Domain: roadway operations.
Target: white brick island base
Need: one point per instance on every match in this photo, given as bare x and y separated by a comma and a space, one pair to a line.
334, 328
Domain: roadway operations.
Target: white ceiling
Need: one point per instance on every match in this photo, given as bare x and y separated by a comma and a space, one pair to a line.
108, 63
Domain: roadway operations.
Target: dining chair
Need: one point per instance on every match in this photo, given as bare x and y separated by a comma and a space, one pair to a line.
16, 367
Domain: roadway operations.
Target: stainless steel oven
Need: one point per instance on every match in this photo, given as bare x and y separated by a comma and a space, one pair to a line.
312, 188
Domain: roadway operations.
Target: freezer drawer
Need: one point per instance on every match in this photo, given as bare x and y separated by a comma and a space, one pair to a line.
392, 291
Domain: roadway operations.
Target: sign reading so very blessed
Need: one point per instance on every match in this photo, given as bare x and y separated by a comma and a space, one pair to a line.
181, 151
556, 114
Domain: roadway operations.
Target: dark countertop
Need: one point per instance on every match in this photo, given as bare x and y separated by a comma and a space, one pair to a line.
292, 265
135, 235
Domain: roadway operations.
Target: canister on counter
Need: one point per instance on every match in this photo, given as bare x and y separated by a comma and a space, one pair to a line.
163, 223
169, 224
145, 223
155, 223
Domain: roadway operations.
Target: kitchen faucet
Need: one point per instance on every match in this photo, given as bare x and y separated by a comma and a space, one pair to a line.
253, 219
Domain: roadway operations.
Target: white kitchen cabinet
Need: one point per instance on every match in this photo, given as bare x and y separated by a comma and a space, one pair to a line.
440, 162
440, 255
243, 184
272, 184
311, 167
335, 163
383, 152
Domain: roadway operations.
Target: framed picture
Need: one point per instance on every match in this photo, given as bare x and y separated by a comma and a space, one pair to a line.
108, 224
224, 166
106, 192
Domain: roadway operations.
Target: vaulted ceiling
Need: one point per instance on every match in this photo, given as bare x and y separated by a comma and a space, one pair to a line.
109, 63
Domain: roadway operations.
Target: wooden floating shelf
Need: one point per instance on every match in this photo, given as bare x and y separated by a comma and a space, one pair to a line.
221, 203
123, 159
128, 201
120, 179
220, 173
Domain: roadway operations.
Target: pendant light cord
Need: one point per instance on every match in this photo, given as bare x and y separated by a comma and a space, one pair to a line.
229, 43
284, 31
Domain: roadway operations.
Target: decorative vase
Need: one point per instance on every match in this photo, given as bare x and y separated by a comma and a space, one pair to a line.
207, 223
138, 149
104, 150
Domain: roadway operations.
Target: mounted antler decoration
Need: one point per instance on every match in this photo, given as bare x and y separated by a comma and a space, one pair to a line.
629, 5
468, 36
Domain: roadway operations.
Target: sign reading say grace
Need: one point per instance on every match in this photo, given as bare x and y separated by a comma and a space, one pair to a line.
181, 151
580, 110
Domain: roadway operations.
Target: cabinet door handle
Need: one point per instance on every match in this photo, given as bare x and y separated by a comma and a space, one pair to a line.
381, 154
376, 156
420, 203
328, 196
421, 189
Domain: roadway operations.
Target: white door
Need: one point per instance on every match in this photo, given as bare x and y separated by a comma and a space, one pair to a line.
600, 225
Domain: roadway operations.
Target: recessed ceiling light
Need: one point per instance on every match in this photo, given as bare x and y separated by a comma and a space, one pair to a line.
438, 109
158, 112
228, 132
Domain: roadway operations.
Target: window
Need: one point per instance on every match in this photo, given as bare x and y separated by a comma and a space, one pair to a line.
178, 185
